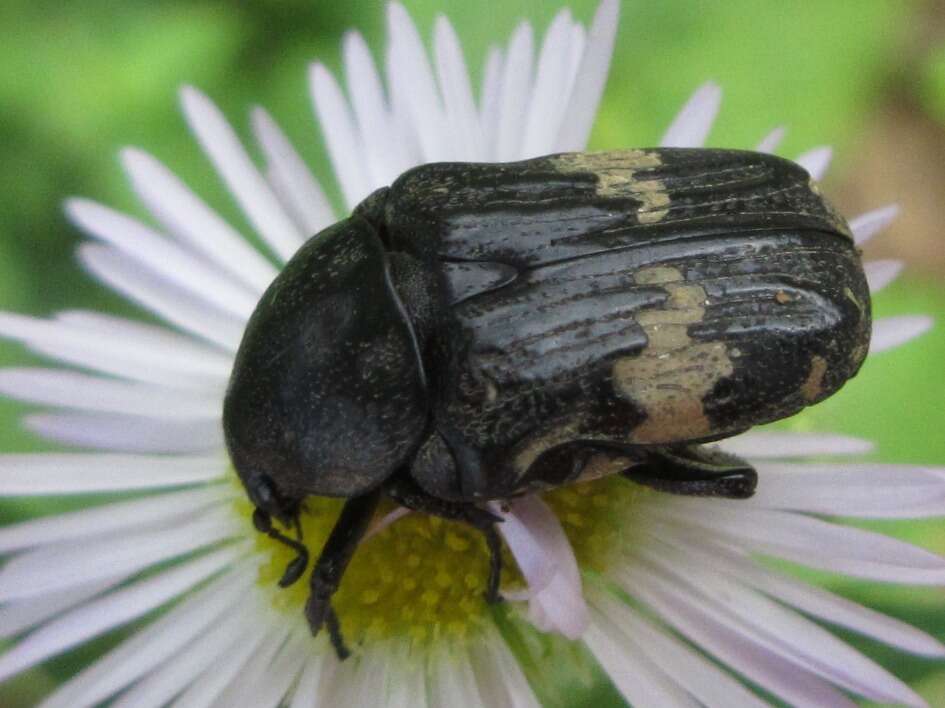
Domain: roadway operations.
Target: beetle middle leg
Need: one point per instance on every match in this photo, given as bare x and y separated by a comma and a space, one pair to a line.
406, 492
695, 470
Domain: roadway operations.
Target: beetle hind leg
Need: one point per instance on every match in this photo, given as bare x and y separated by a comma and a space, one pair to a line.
694, 470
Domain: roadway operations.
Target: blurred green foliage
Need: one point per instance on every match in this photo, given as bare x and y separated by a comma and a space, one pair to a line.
79, 80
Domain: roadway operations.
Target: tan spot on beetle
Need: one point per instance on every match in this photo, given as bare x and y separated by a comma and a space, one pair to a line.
813, 387
616, 177
672, 375
602, 466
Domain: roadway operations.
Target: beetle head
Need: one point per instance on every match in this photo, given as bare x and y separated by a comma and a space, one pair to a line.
327, 393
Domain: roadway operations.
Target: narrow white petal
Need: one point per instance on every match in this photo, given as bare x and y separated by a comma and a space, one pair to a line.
578, 44
296, 182
635, 676
254, 670
120, 433
721, 640
700, 677
212, 606
591, 79
275, 683
364, 683
191, 221
247, 185
413, 89
54, 473
546, 110
110, 611
809, 541
311, 684
341, 137
123, 348
771, 141
406, 683
461, 115
892, 332
780, 630
692, 124
867, 225
879, 274
816, 161
453, 683
107, 519
70, 389
18, 616
127, 277
227, 666
499, 675
861, 490
515, 94
809, 599
780, 444
490, 96
166, 259
386, 156
52, 568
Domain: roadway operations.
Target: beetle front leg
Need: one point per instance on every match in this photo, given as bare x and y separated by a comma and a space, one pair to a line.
406, 492
296, 567
337, 552
694, 470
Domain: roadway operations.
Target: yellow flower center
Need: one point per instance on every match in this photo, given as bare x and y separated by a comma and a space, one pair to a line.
423, 578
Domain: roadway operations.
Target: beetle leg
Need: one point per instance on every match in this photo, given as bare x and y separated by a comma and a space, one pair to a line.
337, 552
296, 567
406, 492
695, 471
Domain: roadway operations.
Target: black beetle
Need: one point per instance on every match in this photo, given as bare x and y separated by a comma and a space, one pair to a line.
479, 331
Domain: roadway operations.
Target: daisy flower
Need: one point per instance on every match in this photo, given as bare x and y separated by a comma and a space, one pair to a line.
667, 594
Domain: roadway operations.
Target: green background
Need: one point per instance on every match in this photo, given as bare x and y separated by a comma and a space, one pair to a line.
80, 80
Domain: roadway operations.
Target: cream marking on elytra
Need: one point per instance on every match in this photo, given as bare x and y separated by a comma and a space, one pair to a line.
673, 373
813, 388
616, 177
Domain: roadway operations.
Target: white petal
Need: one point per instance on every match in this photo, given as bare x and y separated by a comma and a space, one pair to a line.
212, 606
121, 347
892, 332
591, 78
692, 124
719, 639
879, 274
700, 677
70, 389
635, 676
780, 630
775, 444
53, 473
301, 191
311, 684
341, 138
247, 185
273, 685
108, 518
17, 616
189, 219
167, 301
490, 96
576, 48
867, 225
254, 670
515, 93
386, 157
861, 490
164, 258
461, 115
453, 683
808, 541
111, 611
121, 433
771, 141
546, 109
499, 675
816, 161
52, 568
413, 91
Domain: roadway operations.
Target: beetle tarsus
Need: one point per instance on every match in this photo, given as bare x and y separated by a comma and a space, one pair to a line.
296, 567
693, 470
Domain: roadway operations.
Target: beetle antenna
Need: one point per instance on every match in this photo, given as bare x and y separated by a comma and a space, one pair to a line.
296, 567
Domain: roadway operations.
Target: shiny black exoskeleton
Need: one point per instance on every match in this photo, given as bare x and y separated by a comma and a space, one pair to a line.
479, 331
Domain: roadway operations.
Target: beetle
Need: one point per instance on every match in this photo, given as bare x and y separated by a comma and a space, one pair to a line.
478, 331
